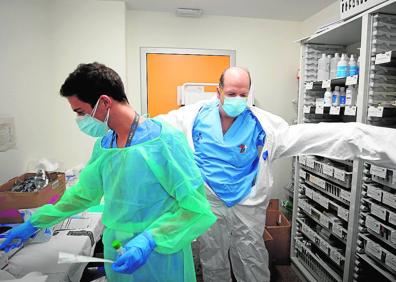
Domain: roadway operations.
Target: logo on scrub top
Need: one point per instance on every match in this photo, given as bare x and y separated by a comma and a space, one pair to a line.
242, 148
198, 137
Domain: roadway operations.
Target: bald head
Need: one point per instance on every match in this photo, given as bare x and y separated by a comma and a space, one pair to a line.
235, 74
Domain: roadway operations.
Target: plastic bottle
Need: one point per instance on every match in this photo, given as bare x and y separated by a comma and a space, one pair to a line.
351, 95
333, 65
336, 96
328, 97
353, 68
347, 61
342, 97
116, 244
323, 68
342, 67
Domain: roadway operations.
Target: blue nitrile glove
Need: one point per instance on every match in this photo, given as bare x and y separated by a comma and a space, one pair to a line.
136, 253
17, 235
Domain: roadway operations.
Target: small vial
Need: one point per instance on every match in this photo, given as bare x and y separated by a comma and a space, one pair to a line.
116, 244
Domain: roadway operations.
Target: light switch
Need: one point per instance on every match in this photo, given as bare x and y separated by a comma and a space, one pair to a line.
7, 134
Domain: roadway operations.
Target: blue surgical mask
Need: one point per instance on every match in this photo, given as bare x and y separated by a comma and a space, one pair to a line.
92, 126
234, 106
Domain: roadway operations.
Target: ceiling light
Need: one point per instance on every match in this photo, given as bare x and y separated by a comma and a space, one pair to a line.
188, 12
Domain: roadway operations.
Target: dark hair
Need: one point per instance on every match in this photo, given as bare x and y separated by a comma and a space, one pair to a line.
221, 81
89, 81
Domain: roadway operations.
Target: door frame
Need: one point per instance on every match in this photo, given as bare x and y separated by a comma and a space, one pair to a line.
144, 51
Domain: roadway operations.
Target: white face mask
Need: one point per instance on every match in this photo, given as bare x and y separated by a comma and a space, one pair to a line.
92, 126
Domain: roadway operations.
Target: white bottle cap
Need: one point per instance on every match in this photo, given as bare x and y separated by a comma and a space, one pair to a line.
337, 88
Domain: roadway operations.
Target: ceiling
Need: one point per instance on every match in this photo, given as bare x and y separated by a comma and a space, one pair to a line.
292, 10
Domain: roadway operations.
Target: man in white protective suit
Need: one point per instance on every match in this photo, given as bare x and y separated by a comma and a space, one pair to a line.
225, 135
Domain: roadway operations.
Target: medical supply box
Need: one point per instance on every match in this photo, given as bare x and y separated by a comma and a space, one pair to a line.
10, 202
279, 228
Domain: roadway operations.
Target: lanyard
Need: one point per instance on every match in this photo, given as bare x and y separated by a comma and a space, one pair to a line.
132, 131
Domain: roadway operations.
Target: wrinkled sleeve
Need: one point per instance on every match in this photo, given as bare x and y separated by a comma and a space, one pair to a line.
85, 193
337, 141
181, 178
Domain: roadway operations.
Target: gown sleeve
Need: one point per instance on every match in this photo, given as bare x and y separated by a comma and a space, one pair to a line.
85, 193
337, 141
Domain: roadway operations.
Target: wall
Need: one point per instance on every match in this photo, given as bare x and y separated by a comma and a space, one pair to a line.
329, 14
44, 40
264, 46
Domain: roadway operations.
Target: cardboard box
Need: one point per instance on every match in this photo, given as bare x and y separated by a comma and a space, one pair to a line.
279, 228
10, 202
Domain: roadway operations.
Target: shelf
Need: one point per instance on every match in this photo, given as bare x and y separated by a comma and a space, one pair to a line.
334, 174
323, 186
376, 266
345, 33
326, 227
319, 261
342, 81
318, 241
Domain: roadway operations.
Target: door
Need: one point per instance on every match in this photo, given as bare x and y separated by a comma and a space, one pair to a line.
167, 69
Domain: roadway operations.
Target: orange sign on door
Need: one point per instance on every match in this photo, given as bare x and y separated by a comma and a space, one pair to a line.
167, 71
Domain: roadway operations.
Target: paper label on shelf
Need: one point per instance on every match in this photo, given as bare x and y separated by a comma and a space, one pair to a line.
335, 256
374, 249
319, 110
335, 110
326, 83
298, 245
309, 86
350, 111
378, 211
375, 111
351, 80
308, 193
374, 193
390, 260
328, 170
392, 218
317, 181
343, 213
383, 58
324, 246
337, 229
339, 174
310, 163
302, 159
316, 197
324, 220
324, 202
307, 109
393, 237
345, 195
378, 171
373, 224
389, 199
303, 174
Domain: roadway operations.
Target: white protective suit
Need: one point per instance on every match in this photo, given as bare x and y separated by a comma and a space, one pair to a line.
245, 221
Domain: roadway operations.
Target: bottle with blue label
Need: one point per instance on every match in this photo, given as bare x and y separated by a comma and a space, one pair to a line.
333, 66
342, 67
342, 97
353, 67
336, 96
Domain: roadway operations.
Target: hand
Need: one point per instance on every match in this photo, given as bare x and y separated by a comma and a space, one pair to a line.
136, 253
21, 233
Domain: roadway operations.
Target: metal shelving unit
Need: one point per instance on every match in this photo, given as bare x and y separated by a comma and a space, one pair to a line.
344, 212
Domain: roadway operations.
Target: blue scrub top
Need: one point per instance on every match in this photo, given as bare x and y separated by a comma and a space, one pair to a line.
146, 131
229, 162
